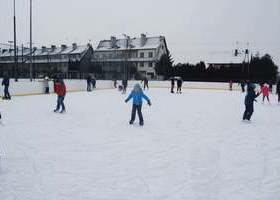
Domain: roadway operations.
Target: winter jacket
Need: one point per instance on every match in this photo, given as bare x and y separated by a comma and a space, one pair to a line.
60, 88
251, 96
265, 90
6, 81
137, 97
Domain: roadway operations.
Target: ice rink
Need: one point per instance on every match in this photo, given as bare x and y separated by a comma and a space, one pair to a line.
193, 146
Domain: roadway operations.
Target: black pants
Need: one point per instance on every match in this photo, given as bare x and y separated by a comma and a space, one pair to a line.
146, 86
179, 88
88, 87
124, 89
172, 88
137, 108
278, 96
248, 111
267, 97
6, 93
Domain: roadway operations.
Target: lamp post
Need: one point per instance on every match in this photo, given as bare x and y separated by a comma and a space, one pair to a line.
30, 67
15, 44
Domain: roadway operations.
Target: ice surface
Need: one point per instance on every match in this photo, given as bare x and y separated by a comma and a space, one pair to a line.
193, 146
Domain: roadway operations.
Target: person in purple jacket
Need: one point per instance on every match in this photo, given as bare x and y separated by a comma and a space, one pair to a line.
137, 95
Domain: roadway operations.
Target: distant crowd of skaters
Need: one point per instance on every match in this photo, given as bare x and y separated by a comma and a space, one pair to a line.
137, 93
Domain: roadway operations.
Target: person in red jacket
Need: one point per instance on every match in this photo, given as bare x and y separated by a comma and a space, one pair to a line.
60, 90
265, 92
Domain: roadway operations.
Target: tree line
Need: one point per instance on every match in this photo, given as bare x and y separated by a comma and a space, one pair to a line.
259, 69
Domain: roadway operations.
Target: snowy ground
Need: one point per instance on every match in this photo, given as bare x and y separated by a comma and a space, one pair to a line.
193, 146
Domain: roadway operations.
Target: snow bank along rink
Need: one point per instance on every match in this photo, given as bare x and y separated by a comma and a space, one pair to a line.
193, 146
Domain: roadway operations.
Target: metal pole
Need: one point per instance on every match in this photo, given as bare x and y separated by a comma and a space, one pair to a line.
15, 44
30, 69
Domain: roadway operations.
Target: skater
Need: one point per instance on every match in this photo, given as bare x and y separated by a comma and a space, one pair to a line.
265, 92
46, 85
89, 82
270, 86
242, 86
172, 84
137, 95
230, 85
278, 90
249, 101
124, 84
179, 85
115, 83
60, 90
146, 83
93, 83
6, 84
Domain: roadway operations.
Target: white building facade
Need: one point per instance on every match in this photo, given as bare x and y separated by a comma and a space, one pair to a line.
129, 57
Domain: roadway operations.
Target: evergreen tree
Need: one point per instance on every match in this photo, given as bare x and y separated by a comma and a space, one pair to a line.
164, 66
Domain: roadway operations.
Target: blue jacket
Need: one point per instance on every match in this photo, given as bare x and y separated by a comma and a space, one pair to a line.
137, 97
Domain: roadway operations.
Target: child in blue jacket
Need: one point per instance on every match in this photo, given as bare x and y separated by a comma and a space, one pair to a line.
137, 95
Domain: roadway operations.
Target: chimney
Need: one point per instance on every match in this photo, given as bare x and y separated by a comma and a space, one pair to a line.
113, 42
53, 47
143, 40
74, 46
127, 42
44, 49
63, 47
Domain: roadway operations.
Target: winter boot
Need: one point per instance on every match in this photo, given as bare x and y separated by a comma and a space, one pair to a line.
62, 111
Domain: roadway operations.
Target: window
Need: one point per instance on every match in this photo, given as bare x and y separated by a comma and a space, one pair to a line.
141, 64
151, 54
142, 55
150, 64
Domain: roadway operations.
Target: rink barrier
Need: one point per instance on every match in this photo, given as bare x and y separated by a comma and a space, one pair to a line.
24, 87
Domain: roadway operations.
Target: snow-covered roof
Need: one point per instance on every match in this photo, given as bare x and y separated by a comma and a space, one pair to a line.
130, 43
226, 57
46, 51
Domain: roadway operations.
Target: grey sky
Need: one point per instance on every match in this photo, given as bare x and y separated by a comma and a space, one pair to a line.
194, 29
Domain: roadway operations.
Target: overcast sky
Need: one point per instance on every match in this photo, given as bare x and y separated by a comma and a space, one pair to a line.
194, 29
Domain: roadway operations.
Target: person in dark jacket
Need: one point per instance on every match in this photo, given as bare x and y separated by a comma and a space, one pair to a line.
60, 90
115, 83
243, 86
89, 82
137, 95
6, 84
146, 83
172, 84
249, 101
270, 86
124, 84
179, 85
278, 90
93, 83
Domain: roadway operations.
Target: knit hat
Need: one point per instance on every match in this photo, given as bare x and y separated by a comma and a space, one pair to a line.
137, 87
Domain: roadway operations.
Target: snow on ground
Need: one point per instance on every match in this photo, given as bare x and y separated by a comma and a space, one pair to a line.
193, 146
